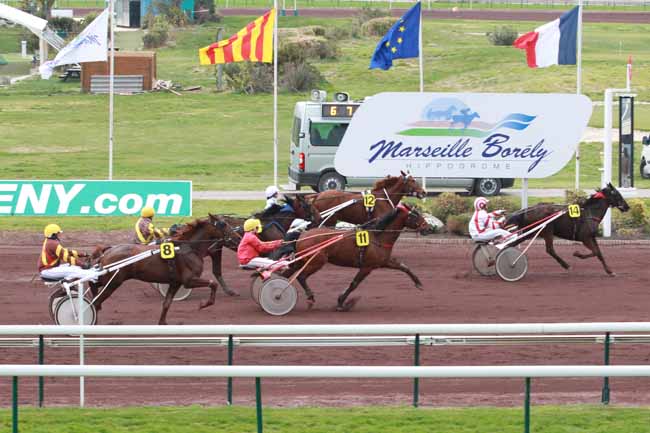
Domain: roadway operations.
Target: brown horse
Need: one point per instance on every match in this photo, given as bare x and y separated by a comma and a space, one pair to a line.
345, 252
583, 229
388, 193
195, 239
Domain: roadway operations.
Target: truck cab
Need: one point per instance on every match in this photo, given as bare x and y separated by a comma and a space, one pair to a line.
317, 131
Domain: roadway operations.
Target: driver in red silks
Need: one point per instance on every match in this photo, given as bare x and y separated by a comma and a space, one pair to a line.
250, 247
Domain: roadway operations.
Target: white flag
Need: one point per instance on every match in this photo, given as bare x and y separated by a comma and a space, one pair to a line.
90, 46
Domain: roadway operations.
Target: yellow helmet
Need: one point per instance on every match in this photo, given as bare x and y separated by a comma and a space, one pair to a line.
253, 224
51, 229
147, 212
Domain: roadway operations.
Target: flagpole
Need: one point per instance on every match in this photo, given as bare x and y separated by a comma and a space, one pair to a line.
275, 94
111, 11
420, 59
579, 84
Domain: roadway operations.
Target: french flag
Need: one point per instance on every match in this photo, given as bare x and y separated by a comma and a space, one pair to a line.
553, 43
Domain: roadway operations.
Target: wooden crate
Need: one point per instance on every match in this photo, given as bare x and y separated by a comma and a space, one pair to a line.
126, 63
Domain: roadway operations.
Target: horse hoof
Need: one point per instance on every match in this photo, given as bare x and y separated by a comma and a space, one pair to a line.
203, 305
310, 303
347, 306
419, 286
611, 274
231, 292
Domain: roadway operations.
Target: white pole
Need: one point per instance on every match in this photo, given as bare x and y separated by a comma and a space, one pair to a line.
607, 157
275, 94
111, 7
524, 193
629, 74
579, 85
80, 314
421, 63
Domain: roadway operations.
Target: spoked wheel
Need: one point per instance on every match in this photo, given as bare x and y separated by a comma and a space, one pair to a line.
484, 259
511, 264
277, 296
66, 311
181, 295
54, 300
256, 287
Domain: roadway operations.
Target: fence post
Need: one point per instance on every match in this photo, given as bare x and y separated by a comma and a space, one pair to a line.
230, 350
605, 394
14, 405
527, 407
258, 404
41, 357
416, 381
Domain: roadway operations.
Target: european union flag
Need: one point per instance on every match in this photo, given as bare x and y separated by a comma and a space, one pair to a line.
401, 41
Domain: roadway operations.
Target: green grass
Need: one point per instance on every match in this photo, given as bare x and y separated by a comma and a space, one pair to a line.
195, 419
50, 130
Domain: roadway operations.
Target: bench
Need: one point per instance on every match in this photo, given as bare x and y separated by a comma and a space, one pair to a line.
74, 72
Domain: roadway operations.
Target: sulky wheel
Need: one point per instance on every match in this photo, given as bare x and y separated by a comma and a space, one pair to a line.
54, 300
181, 295
511, 264
483, 259
256, 286
66, 311
277, 296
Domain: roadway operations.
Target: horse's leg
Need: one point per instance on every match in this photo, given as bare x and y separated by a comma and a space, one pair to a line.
311, 300
103, 293
398, 266
595, 251
216, 271
346, 306
200, 282
548, 239
167, 302
315, 263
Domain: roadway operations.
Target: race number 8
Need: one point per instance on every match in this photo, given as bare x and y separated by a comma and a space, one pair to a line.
369, 200
574, 211
363, 238
167, 250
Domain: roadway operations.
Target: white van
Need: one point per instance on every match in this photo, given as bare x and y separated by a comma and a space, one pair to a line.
318, 128
645, 158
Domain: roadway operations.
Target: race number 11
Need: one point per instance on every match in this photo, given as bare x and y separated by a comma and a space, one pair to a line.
167, 250
574, 211
363, 238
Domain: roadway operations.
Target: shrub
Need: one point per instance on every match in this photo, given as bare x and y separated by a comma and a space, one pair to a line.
300, 77
367, 13
205, 12
318, 30
502, 36
298, 49
458, 224
637, 213
571, 196
337, 33
447, 204
509, 204
377, 26
158, 33
249, 77
89, 18
64, 26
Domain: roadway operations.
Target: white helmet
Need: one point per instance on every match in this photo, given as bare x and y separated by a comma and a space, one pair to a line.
480, 203
271, 190
298, 225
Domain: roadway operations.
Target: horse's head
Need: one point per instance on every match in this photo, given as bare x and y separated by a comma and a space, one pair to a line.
227, 233
414, 219
412, 187
614, 198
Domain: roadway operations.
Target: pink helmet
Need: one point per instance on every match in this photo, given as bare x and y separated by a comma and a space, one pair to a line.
480, 203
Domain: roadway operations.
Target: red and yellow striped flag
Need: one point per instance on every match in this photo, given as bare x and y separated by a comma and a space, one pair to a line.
252, 43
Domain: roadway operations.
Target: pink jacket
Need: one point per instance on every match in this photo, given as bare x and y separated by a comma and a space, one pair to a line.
251, 246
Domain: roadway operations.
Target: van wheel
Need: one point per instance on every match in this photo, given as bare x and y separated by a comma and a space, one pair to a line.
331, 180
643, 173
487, 186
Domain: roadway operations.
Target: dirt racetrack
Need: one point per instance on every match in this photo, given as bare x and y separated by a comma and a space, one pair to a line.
453, 294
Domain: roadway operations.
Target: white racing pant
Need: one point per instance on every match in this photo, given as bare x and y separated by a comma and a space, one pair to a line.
260, 262
488, 235
68, 272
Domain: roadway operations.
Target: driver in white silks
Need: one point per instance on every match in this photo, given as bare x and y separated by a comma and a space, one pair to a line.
485, 226
272, 197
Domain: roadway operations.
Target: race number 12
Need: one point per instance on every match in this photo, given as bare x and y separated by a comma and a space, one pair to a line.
167, 250
369, 200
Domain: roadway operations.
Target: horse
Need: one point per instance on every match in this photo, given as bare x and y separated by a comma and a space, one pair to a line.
388, 193
465, 118
583, 228
345, 252
195, 240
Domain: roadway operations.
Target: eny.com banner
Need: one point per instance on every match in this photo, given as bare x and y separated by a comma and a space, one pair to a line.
94, 197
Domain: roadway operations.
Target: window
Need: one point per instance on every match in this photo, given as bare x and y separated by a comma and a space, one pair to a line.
295, 132
327, 134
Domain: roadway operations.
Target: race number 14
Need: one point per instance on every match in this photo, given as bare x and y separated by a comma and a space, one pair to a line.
574, 211
167, 250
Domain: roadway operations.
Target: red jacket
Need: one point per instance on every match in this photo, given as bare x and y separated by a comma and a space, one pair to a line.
251, 246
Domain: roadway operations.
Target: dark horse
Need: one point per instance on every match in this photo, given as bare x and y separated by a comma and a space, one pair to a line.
388, 193
275, 226
583, 229
345, 252
195, 239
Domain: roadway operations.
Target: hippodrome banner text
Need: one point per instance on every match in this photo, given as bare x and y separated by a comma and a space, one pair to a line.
94, 197
463, 134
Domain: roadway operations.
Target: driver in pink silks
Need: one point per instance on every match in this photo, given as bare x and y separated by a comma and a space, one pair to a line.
486, 226
251, 246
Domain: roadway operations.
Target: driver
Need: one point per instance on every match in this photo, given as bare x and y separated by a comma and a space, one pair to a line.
57, 262
145, 231
272, 198
250, 247
484, 225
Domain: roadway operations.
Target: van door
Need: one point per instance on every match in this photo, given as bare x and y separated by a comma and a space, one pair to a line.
324, 139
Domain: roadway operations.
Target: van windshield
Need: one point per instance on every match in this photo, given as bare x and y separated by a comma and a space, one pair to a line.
326, 134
